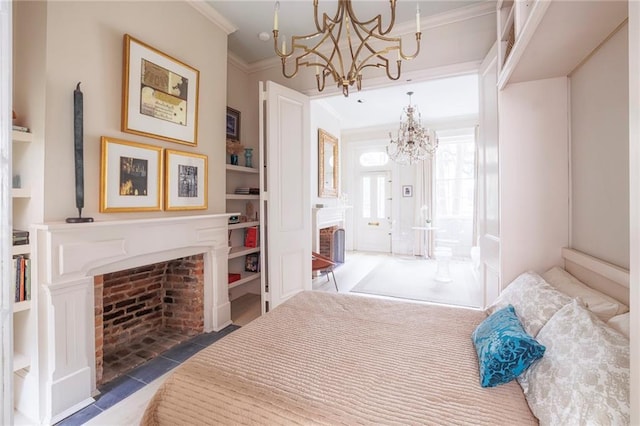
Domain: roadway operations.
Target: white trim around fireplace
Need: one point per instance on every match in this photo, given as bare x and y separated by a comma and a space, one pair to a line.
68, 256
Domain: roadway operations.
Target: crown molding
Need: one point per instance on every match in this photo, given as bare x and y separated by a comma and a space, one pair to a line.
434, 21
447, 18
207, 10
236, 61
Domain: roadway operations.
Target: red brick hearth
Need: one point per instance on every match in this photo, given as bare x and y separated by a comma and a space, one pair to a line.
144, 311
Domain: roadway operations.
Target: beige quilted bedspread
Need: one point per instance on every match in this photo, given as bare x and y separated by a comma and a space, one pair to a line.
325, 358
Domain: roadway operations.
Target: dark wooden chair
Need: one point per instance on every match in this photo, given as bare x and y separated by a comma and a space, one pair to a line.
320, 263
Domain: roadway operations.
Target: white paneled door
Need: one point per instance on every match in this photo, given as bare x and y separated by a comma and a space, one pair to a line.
286, 195
374, 212
488, 220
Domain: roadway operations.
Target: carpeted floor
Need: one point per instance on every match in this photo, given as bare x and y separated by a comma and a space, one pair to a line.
414, 279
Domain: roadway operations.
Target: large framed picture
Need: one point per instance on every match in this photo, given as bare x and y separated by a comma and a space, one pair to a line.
233, 124
130, 176
185, 180
159, 94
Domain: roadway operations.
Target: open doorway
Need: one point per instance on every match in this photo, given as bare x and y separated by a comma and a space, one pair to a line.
409, 224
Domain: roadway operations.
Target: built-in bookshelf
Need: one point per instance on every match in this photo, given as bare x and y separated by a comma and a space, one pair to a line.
546, 39
26, 196
21, 251
243, 200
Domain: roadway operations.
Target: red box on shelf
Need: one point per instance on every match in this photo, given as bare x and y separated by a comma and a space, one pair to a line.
251, 237
233, 277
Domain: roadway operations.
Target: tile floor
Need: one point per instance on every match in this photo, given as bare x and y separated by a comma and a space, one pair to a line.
120, 388
151, 345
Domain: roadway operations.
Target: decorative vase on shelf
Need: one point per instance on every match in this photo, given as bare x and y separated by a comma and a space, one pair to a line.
248, 153
234, 159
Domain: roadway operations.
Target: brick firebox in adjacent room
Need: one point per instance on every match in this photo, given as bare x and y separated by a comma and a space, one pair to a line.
326, 241
144, 311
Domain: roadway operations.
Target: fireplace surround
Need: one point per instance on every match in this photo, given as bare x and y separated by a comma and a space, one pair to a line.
62, 378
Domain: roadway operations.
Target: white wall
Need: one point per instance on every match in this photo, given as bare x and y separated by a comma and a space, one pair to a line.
325, 119
29, 70
84, 42
599, 153
241, 95
634, 167
533, 164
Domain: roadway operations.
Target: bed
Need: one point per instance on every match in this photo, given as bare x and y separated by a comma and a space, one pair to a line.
323, 358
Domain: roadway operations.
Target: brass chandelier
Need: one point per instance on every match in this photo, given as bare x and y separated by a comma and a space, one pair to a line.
343, 46
414, 142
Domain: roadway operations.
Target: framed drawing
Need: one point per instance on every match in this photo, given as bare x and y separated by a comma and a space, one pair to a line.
233, 124
407, 190
130, 176
159, 94
185, 186
327, 165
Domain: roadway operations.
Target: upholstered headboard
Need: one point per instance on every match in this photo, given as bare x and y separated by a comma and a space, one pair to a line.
598, 274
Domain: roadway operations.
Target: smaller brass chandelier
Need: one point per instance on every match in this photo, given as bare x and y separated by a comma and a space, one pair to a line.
414, 142
343, 46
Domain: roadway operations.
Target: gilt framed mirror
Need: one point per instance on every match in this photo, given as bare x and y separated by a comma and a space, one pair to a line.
328, 165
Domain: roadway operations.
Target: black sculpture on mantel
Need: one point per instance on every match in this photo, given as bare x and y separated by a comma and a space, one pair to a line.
78, 133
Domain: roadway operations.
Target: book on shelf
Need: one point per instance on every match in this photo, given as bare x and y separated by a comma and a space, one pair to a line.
23, 267
27, 285
20, 237
22, 274
251, 236
233, 277
247, 191
20, 128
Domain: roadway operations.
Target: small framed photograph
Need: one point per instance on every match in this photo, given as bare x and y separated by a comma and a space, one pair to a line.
159, 94
185, 181
233, 124
130, 176
407, 190
252, 262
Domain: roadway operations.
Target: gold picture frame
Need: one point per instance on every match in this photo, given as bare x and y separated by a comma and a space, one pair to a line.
159, 94
130, 176
186, 177
328, 165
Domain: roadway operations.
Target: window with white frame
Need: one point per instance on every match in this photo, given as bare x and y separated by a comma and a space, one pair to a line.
455, 189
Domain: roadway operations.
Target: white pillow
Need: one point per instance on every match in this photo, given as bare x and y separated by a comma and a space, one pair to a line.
621, 323
583, 377
599, 303
534, 300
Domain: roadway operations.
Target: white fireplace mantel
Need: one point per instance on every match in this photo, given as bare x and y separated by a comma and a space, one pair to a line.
68, 256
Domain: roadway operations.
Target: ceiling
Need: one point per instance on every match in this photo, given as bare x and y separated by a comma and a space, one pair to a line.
438, 100
252, 17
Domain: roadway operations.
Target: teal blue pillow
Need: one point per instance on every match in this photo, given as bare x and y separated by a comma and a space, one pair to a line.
504, 349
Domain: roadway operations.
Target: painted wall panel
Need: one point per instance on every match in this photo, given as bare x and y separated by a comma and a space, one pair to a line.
534, 193
600, 153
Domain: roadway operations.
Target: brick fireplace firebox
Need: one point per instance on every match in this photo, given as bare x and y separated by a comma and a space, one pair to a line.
144, 311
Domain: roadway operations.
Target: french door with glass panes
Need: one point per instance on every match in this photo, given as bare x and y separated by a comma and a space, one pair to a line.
374, 215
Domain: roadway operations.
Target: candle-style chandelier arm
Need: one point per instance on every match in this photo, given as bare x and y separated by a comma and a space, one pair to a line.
344, 38
377, 19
